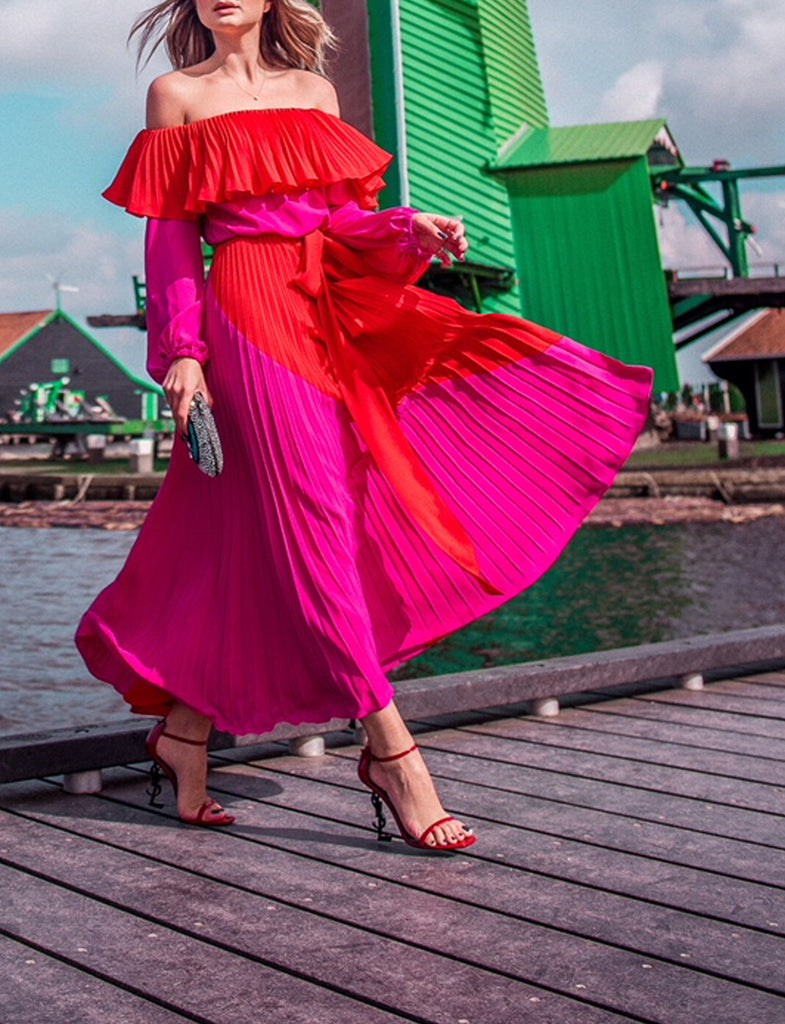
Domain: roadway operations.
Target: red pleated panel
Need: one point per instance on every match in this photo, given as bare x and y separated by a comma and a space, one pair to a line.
178, 172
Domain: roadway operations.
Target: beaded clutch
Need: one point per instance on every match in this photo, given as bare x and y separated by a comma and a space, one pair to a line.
202, 438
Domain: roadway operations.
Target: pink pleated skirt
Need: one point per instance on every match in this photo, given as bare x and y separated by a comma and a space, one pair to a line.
284, 589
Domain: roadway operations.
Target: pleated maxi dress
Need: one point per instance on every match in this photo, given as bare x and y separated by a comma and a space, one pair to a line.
395, 465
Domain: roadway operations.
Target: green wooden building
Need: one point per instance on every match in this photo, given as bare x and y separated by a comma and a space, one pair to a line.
586, 244
561, 220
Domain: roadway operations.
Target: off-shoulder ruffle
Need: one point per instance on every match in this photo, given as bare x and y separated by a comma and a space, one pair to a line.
176, 172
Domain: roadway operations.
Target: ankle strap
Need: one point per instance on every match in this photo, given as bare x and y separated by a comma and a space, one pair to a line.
392, 757
183, 739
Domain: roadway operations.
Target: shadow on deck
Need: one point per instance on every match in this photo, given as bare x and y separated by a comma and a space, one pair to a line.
630, 867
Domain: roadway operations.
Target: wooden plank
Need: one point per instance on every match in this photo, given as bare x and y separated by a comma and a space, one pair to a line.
579, 673
694, 716
671, 934
766, 678
337, 830
307, 940
610, 975
611, 756
710, 700
38, 989
83, 748
596, 803
748, 687
756, 287
562, 807
602, 720
144, 954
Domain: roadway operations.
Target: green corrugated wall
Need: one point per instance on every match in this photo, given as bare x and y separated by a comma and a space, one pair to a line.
471, 78
512, 71
589, 261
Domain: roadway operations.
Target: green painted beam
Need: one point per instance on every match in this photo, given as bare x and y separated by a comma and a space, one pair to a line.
382, 15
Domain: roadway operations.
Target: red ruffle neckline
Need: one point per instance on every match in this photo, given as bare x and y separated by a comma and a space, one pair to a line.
177, 172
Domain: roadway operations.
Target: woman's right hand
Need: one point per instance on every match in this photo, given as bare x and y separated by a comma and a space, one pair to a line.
184, 378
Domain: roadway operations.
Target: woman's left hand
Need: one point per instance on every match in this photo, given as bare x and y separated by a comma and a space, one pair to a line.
440, 236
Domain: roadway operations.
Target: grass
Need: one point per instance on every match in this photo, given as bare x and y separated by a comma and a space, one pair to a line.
684, 454
110, 467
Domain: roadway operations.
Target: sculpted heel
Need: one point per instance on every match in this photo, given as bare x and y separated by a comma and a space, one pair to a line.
380, 797
211, 812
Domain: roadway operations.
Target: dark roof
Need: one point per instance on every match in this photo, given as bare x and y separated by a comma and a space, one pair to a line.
16, 326
762, 337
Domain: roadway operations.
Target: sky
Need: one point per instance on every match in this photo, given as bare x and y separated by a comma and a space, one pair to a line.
71, 101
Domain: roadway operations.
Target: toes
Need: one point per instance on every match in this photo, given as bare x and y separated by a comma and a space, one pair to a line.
448, 834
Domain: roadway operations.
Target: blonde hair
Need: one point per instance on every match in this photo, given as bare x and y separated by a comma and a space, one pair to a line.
294, 35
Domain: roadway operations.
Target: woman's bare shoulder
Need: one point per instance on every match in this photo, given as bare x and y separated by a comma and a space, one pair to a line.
171, 96
167, 100
316, 91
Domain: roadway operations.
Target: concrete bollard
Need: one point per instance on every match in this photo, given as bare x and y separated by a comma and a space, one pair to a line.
545, 707
712, 427
728, 441
691, 681
96, 447
307, 746
142, 455
82, 783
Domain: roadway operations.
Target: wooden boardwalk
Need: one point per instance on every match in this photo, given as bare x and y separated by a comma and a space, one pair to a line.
630, 867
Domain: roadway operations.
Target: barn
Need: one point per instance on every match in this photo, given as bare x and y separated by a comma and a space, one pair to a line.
45, 345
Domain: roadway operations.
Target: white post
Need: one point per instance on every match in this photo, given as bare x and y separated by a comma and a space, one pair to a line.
307, 746
82, 783
691, 681
545, 707
96, 447
142, 455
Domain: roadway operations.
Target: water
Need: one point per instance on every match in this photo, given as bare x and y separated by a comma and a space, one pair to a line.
612, 587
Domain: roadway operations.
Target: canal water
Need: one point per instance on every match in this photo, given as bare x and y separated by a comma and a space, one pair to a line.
612, 587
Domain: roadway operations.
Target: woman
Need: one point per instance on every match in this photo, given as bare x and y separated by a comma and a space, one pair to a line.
395, 466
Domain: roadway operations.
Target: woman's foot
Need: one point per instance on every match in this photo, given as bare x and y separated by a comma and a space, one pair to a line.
393, 767
180, 744
409, 787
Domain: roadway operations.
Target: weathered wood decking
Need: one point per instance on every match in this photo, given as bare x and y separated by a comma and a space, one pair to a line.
631, 867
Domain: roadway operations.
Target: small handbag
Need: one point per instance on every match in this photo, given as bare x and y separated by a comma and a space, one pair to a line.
202, 438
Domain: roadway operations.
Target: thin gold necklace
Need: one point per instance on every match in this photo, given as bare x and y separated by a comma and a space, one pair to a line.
241, 87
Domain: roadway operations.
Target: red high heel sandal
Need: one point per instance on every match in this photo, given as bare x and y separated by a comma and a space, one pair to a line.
378, 795
211, 812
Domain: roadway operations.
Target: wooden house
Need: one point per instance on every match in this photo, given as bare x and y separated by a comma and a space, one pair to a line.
753, 358
44, 345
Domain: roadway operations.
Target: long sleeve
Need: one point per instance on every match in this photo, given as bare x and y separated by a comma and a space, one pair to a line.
174, 275
385, 238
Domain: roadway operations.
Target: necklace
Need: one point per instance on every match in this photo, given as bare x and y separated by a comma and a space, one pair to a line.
242, 87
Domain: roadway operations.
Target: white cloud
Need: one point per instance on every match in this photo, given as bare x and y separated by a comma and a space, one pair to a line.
723, 86
766, 210
636, 94
77, 49
66, 43
683, 242
95, 261
728, 89
686, 245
